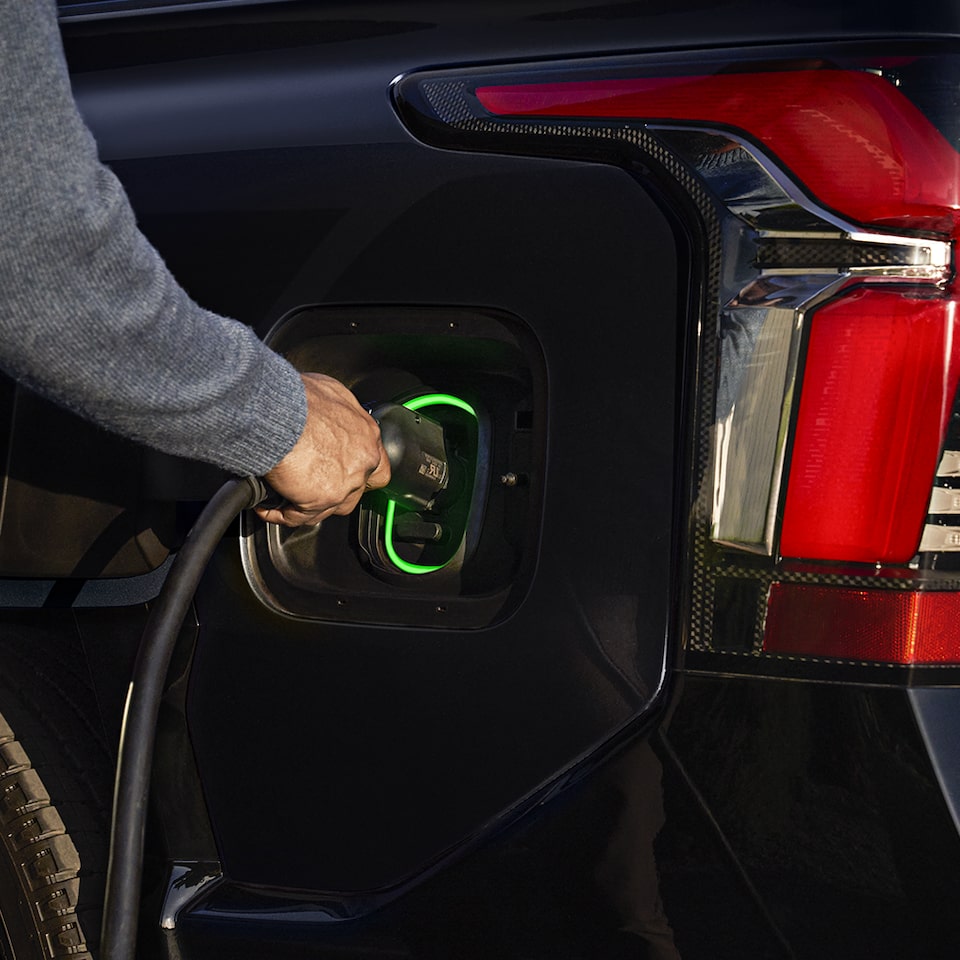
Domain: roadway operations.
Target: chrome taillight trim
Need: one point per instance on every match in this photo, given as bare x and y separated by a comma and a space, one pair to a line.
926, 260
759, 364
783, 255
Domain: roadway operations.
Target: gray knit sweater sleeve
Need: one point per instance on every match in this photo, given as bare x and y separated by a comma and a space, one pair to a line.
89, 314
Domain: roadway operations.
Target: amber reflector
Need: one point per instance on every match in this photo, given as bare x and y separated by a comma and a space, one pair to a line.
891, 626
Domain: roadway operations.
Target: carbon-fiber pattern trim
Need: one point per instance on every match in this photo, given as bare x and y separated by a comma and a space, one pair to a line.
780, 252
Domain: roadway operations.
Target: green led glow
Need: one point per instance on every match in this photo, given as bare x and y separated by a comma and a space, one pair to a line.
418, 403
438, 400
395, 557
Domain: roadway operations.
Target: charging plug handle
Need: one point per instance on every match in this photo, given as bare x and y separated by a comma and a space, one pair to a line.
416, 449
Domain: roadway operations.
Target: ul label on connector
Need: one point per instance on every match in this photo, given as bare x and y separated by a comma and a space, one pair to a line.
433, 469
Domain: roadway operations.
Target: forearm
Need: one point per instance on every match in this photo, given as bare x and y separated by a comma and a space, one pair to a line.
89, 314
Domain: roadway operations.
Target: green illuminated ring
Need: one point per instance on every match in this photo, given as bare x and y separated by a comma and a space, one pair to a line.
417, 403
440, 399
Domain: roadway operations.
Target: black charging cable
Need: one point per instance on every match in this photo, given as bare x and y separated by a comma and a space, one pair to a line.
125, 865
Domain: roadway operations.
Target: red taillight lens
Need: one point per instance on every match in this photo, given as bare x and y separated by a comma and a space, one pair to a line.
878, 387
889, 626
852, 138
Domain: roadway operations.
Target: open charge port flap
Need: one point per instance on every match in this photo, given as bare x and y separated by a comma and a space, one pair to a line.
458, 556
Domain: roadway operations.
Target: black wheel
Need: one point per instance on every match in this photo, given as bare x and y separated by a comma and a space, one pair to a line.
54, 803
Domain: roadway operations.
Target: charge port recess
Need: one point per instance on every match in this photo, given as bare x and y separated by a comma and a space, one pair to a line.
461, 559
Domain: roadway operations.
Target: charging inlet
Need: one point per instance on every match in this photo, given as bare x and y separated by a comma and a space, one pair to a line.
461, 398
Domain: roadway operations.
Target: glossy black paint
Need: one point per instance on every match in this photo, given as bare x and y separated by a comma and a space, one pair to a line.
825, 794
829, 796
344, 764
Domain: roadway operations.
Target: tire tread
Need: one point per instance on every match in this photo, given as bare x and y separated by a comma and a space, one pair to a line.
47, 861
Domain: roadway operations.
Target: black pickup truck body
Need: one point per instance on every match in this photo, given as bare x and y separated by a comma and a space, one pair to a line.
679, 275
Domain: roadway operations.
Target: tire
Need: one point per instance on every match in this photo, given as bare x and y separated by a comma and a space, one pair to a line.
54, 804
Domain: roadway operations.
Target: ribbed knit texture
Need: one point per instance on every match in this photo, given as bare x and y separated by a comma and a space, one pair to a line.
89, 314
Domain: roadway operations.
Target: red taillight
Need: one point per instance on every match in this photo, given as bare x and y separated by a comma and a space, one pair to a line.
889, 626
828, 207
852, 138
878, 387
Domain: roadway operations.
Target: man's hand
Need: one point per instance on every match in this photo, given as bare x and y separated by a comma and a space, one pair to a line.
338, 458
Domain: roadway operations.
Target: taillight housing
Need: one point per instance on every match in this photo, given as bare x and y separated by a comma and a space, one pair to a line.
824, 198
